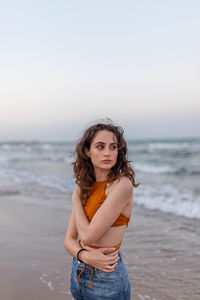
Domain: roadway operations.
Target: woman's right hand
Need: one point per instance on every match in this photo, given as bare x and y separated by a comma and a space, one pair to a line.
99, 259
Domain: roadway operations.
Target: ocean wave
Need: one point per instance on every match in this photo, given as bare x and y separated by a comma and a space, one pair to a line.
166, 169
181, 149
45, 169
15, 159
169, 199
176, 146
150, 168
36, 147
61, 183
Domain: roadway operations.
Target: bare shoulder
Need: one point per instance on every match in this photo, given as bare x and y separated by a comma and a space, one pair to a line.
123, 185
125, 181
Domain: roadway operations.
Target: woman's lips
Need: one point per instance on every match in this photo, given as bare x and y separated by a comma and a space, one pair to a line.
107, 161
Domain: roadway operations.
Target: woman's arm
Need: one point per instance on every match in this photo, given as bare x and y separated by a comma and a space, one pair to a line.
95, 257
70, 243
105, 215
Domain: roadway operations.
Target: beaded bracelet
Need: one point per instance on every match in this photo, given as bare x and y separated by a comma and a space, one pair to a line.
79, 251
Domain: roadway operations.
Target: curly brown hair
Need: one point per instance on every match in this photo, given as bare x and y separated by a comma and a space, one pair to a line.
83, 167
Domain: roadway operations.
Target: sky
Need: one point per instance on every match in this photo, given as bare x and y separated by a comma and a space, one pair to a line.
65, 65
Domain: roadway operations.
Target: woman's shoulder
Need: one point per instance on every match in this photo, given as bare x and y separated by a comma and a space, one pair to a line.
122, 184
125, 183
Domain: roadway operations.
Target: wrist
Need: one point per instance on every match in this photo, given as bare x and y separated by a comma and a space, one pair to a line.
81, 255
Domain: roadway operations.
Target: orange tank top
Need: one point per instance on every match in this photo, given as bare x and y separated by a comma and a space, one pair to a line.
97, 197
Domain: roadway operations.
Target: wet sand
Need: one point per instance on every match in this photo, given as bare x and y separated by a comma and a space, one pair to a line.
161, 252
33, 262
164, 257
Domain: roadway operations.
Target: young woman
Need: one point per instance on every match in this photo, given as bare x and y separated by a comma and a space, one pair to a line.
102, 203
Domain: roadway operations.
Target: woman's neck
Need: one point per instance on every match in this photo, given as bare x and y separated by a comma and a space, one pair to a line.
101, 176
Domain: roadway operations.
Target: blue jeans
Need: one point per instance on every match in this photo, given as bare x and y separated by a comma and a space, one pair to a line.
109, 286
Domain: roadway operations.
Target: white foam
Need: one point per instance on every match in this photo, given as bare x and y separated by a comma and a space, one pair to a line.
150, 168
54, 181
46, 147
165, 145
48, 283
169, 199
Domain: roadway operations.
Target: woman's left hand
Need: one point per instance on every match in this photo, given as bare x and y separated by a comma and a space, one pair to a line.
100, 260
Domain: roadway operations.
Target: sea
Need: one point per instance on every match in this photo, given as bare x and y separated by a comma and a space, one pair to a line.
168, 171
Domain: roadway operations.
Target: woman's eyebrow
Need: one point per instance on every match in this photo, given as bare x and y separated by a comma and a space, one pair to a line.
114, 143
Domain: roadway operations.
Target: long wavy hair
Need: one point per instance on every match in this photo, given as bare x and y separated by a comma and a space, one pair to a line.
83, 167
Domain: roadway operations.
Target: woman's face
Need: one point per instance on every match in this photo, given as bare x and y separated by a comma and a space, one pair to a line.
103, 150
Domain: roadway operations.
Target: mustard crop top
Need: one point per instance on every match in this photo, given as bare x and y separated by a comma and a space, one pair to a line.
97, 197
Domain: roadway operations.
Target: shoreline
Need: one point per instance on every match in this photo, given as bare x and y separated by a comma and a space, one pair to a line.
161, 252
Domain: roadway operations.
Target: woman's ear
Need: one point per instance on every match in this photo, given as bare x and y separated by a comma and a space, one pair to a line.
87, 152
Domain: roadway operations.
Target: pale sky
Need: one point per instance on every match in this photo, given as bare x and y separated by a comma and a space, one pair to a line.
65, 64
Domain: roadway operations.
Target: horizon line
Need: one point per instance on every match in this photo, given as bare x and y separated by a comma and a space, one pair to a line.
74, 141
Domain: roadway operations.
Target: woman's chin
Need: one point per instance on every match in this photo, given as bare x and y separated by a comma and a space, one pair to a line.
107, 167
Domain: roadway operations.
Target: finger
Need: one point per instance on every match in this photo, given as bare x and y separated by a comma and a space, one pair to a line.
113, 258
112, 262
111, 254
108, 251
107, 267
107, 270
110, 268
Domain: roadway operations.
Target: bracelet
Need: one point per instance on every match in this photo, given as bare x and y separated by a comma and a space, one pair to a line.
79, 251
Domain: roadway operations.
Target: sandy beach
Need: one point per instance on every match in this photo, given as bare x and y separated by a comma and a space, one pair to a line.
33, 262
161, 252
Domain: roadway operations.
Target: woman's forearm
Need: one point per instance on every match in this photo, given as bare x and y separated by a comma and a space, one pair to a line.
72, 246
81, 220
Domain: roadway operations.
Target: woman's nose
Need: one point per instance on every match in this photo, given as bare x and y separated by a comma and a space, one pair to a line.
107, 151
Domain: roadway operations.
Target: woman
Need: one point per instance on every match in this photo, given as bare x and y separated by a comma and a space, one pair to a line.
102, 203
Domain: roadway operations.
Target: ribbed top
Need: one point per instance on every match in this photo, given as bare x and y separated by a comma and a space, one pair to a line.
97, 197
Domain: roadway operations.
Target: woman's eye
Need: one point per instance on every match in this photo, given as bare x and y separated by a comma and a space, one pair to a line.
113, 147
100, 147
